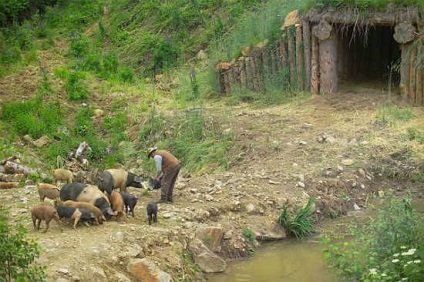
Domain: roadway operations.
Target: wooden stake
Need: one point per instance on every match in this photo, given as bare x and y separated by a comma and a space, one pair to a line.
315, 65
299, 57
412, 73
404, 71
420, 76
291, 56
307, 53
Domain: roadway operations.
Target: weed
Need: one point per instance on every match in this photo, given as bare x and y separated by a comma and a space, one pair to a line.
393, 114
75, 86
248, 234
302, 223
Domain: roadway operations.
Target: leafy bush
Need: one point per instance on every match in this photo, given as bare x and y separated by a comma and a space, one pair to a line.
75, 86
378, 250
302, 223
18, 254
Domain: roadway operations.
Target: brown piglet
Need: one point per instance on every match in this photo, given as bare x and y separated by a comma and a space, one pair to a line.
46, 213
117, 204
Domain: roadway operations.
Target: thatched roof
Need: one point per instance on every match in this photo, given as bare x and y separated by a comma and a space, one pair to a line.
390, 17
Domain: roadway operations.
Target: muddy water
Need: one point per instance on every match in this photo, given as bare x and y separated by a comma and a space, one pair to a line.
289, 260
293, 260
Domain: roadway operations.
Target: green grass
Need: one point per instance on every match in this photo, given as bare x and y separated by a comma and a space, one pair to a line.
301, 225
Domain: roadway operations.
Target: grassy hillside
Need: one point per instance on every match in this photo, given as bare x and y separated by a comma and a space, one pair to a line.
137, 62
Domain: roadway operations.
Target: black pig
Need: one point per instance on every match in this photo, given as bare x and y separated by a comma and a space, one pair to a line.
76, 214
152, 212
130, 201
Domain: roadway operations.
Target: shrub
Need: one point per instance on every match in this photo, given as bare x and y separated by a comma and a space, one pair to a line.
17, 253
302, 223
378, 249
75, 86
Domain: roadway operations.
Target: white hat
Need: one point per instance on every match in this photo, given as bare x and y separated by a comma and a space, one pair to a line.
151, 150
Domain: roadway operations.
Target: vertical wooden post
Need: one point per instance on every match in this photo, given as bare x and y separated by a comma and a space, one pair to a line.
420, 76
273, 58
315, 65
412, 73
242, 63
404, 71
299, 57
227, 82
291, 56
283, 54
307, 53
328, 65
249, 75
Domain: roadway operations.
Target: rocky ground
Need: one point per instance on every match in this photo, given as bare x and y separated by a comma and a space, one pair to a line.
342, 149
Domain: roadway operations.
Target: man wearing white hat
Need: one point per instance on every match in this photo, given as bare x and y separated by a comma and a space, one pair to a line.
168, 167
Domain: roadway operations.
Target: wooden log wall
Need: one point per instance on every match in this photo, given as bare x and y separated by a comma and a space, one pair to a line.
290, 55
412, 72
313, 64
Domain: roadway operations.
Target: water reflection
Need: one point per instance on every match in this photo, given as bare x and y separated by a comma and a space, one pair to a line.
289, 260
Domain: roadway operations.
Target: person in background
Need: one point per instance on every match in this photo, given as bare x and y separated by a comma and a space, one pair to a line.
168, 167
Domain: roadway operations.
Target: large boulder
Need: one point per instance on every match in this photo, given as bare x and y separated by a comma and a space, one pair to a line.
211, 236
205, 258
145, 270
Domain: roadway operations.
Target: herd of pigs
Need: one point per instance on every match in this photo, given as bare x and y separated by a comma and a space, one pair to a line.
89, 203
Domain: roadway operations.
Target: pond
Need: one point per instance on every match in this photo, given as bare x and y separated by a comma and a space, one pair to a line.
288, 260
297, 260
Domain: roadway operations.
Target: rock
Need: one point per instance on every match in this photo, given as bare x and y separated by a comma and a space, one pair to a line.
146, 270
63, 271
28, 139
206, 259
42, 141
271, 235
98, 113
250, 208
347, 162
117, 236
211, 236
209, 198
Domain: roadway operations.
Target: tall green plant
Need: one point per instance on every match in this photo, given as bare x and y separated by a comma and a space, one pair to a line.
301, 225
18, 253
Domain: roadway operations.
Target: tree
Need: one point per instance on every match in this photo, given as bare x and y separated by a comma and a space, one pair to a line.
17, 253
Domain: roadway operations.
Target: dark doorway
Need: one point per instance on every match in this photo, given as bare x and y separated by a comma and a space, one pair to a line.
367, 54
